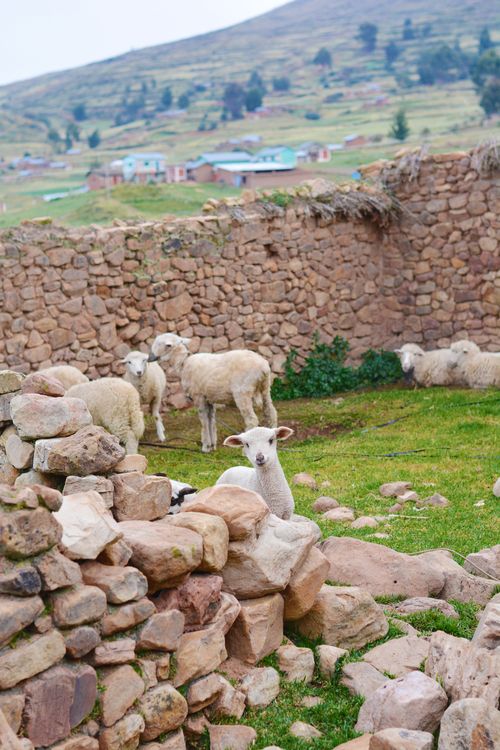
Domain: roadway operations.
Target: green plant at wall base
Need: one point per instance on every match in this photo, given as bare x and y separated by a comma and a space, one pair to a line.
325, 372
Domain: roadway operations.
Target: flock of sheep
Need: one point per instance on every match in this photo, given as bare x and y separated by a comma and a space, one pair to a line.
463, 363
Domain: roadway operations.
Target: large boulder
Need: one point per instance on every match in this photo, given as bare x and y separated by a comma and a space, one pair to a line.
87, 526
241, 509
91, 450
344, 616
264, 563
198, 654
37, 416
305, 584
485, 561
401, 739
140, 497
120, 584
458, 583
77, 605
471, 724
164, 709
487, 633
360, 678
258, 629
30, 657
380, 570
410, 702
199, 599
122, 687
399, 655
297, 663
24, 533
260, 686
214, 532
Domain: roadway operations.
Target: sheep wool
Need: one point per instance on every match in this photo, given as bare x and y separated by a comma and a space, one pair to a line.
478, 369
67, 375
150, 382
428, 368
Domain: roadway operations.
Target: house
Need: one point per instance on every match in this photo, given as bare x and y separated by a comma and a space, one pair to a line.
175, 173
277, 154
312, 152
255, 174
144, 167
354, 140
105, 177
202, 168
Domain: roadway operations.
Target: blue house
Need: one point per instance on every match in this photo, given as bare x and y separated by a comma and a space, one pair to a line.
144, 167
278, 154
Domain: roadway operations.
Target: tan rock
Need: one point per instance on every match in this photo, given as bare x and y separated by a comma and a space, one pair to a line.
48, 496
487, 634
80, 641
91, 450
486, 561
424, 604
12, 705
401, 739
399, 655
305, 480
325, 503
304, 731
260, 686
328, 658
470, 723
364, 522
394, 489
140, 497
30, 657
36, 382
205, 691
120, 651
16, 613
102, 485
459, 584
120, 584
360, 743
198, 654
57, 571
127, 616
122, 687
258, 629
38, 416
77, 605
233, 737
162, 632
10, 381
214, 532
24, 533
124, 735
297, 663
230, 702
305, 584
7, 736
164, 709
339, 514
19, 453
360, 678
115, 553
88, 527
78, 742
171, 741
241, 509
132, 462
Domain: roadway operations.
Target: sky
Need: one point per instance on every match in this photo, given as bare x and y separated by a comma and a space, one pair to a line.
41, 36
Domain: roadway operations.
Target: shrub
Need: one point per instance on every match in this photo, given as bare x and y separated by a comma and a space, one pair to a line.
312, 116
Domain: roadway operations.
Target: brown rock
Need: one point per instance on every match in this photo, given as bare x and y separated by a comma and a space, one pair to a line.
19, 453
304, 731
114, 652
233, 737
85, 694
7, 736
124, 735
164, 709
486, 561
78, 742
305, 584
230, 702
399, 655
470, 723
241, 509
18, 579
77, 605
258, 629
364, 522
140, 497
10, 381
436, 499
344, 616
119, 584
198, 654
57, 571
91, 450
80, 641
394, 489
48, 496
205, 691
132, 462
328, 658
24, 533
17, 613
162, 631
260, 686
360, 678
12, 706
360, 743
325, 503
199, 599
37, 382
196, 725
99, 484
297, 663
214, 532
48, 703
401, 739
30, 657
171, 741
339, 514
458, 584
166, 555
122, 687
38, 416
115, 553
487, 634
305, 480
127, 616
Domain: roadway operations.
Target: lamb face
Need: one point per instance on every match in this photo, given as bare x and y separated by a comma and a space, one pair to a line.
136, 363
165, 345
259, 444
460, 351
408, 356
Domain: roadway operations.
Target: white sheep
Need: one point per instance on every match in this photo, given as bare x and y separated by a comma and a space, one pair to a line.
114, 405
427, 368
67, 375
238, 376
267, 477
478, 369
150, 382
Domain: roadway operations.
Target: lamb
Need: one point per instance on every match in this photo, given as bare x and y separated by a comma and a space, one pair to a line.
150, 382
478, 369
238, 376
114, 405
267, 477
67, 375
427, 368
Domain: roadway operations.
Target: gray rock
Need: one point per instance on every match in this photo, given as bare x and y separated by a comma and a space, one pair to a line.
470, 724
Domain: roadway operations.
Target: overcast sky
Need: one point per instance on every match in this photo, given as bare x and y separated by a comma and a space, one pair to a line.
40, 36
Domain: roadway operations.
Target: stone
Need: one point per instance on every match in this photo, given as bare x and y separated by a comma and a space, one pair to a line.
380, 570
311, 701
231, 737
195, 726
328, 659
459, 584
424, 604
102, 485
470, 723
487, 634
12, 706
164, 709
48, 496
127, 616
410, 702
16, 613
120, 651
398, 656
57, 571
258, 629
360, 678
230, 702
198, 654
436, 500
24, 533
122, 687
32, 477
297, 663
21, 497
344, 616
305, 584
403, 626
162, 631
325, 503
226, 614
38, 416
85, 693
496, 488
77, 605
165, 554
203, 692
260, 686
124, 735
78, 742
30, 657
242, 510
305, 480
304, 731
88, 527
115, 553
486, 561
214, 532
10, 381
339, 514
80, 641
37, 382
91, 450
408, 497
19, 453
18, 579
8, 739
464, 669
364, 522
131, 462
171, 741
120, 584
401, 739
264, 564
394, 489
140, 497
360, 743
199, 599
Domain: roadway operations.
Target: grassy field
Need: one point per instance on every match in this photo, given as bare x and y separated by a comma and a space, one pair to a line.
440, 440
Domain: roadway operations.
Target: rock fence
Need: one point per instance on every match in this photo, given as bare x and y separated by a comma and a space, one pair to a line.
262, 275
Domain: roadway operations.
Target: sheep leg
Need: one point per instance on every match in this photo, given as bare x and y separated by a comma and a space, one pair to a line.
155, 411
270, 413
203, 413
131, 443
245, 406
212, 426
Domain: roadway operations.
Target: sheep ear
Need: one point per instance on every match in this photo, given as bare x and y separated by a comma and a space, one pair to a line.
185, 341
283, 433
124, 361
233, 441
398, 351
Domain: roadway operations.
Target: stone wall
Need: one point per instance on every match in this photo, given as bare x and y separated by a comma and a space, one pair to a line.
264, 279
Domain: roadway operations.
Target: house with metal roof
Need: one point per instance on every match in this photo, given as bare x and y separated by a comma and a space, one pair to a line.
277, 154
144, 167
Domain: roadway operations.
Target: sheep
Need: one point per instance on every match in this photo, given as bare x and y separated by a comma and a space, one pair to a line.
114, 405
427, 368
478, 369
180, 492
67, 375
267, 477
240, 375
149, 380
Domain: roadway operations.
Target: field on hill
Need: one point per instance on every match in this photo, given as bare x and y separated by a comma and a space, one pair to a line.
359, 93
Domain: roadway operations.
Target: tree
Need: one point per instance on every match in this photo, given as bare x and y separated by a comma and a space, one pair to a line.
399, 128
73, 131
392, 52
166, 98
323, 58
281, 84
144, 87
486, 68
183, 101
253, 100
234, 99
490, 99
442, 63
485, 42
80, 112
408, 31
94, 139
367, 33
256, 82
426, 30
54, 139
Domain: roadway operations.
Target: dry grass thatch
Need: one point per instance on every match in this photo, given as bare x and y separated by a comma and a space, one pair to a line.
405, 169
486, 157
